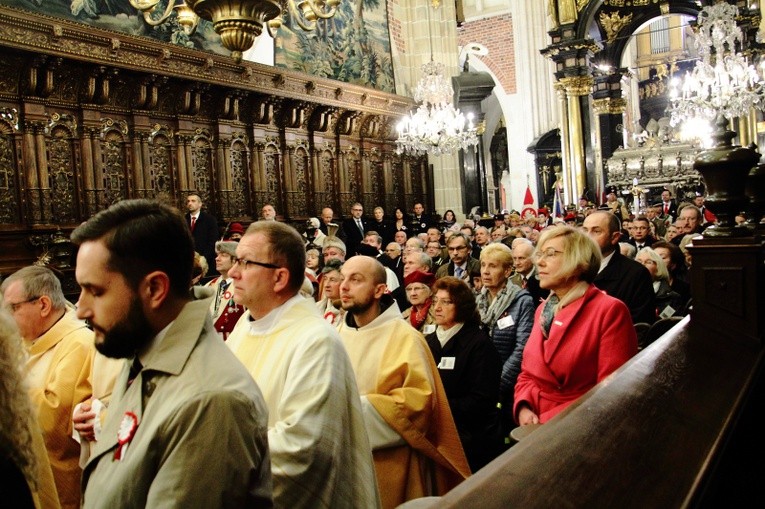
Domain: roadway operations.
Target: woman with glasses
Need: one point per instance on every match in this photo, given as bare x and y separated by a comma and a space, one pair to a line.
580, 334
470, 368
420, 314
668, 301
507, 314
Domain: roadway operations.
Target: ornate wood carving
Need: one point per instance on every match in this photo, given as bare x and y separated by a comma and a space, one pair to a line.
89, 117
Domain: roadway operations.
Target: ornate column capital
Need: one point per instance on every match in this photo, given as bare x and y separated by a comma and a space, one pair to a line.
609, 106
577, 85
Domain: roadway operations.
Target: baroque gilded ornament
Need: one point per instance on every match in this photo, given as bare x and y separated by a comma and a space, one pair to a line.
613, 23
610, 106
577, 85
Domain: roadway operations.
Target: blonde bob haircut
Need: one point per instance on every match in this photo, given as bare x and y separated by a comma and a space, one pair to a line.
581, 255
500, 252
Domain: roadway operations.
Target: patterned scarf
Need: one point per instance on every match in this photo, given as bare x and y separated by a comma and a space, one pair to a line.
491, 312
424, 309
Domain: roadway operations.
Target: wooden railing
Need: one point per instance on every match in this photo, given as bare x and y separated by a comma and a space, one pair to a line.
677, 426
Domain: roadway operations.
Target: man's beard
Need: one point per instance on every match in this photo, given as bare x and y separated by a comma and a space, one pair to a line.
127, 337
356, 307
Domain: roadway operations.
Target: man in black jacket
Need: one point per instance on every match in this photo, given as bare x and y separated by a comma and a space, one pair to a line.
620, 277
204, 230
355, 228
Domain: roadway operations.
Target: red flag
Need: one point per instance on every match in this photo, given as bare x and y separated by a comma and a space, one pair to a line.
529, 199
529, 207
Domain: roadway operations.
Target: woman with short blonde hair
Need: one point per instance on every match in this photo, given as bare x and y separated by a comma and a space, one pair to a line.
580, 334
507, 315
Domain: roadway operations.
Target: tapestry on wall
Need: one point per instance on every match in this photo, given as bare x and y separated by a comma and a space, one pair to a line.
353, 46
120, 16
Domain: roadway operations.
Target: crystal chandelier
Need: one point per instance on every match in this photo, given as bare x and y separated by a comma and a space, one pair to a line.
436, 127
723, 84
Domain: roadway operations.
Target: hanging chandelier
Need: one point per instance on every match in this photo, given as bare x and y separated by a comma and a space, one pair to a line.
436, 127
723, 83
238, 22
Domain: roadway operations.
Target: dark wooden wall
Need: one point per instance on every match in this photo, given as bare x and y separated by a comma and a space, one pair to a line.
89, 117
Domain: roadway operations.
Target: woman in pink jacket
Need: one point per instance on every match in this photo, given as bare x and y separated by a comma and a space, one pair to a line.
580, 334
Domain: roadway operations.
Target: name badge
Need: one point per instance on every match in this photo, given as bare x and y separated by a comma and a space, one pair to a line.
504, 323
557, 322
446, 363
667, 312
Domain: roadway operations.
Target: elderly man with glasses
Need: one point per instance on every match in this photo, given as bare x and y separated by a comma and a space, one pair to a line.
61, 352
461, 264
320, 453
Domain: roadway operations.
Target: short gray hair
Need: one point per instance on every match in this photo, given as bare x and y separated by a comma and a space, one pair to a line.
37, 281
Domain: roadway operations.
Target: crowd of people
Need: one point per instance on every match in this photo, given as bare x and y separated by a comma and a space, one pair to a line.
359, 362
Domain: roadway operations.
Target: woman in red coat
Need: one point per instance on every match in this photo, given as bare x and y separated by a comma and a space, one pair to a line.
580, 334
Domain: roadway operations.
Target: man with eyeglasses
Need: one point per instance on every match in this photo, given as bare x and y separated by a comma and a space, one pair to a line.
354, 227
461, 264
319, 447
619, 276
641, 233
60, 351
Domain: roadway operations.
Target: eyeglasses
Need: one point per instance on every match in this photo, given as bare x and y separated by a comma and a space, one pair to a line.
457, 248
442, 302
245, 264
413, 288
550, 252
14, 306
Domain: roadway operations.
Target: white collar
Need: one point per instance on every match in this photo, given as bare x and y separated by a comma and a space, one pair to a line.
605, 260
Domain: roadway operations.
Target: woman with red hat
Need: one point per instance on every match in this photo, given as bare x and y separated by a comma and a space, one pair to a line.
235, 232
420, 315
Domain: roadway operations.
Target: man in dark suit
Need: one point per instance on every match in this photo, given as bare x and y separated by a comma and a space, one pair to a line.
354, 228
420, 220
620, 277
641, 233
668, 205
461, 265
204, 230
